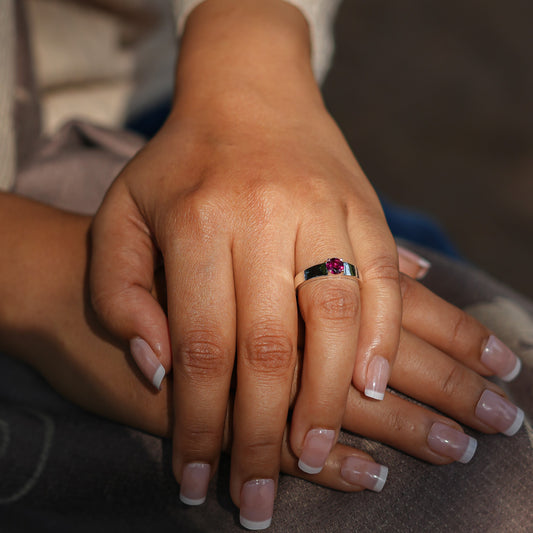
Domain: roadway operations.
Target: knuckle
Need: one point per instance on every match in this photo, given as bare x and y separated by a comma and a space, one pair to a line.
196, 442
262, 192
265, 201
199, 212
461, 332
199, 438
407, 288
201, 356
453, 381
270, 350
399, 423
102, 304
335, 302
263, 445
107, 304
382, 268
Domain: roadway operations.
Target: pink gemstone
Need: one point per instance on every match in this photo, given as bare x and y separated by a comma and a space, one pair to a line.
335, 266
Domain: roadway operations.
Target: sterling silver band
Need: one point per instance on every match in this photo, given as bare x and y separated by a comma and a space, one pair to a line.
331, 267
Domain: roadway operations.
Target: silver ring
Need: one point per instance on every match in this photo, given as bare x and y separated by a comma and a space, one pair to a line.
330, 267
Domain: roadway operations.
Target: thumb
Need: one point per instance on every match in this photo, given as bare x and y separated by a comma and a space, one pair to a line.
122, 263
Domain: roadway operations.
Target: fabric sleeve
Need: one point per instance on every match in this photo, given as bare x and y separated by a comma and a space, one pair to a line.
320, 15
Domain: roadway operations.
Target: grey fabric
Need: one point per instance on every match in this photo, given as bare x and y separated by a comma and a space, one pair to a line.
65, 470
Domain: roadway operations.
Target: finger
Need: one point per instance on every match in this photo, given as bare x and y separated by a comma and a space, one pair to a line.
412, 264
403, 424
428, 375
121, 282
346, 469
456, 333
201, 313
408, 427
329, 306
381, 303
266, 356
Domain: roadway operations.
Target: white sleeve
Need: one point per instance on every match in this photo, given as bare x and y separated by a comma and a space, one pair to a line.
320, 15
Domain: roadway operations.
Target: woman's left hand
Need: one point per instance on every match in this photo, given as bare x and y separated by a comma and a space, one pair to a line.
249, 182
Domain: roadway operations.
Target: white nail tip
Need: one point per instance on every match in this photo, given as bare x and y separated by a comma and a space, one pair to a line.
514, 372
190, 501
255, 526
309, 469
381, 479
424, 263
424, 269
469, 452
158, 377
374, 394
516, 425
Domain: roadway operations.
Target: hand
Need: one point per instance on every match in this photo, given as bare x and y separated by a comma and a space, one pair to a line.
441, 351
249, 182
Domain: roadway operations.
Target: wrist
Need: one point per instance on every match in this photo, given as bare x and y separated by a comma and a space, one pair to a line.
245, 52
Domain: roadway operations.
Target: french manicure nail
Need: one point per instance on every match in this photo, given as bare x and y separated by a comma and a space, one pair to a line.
257, 504
502, 361
147, 361
377, 377
317, 445
367, 474
194, 483
411, 262
450, 442
499, 413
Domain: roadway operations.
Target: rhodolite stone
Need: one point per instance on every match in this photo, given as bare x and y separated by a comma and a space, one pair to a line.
335, 265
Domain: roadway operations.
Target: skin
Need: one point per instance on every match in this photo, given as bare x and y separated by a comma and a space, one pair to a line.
46, 320
248, 182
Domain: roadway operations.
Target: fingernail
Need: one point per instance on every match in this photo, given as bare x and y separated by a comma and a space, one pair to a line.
377, 377
257, 504
194, 483
450, 442
367, 474
317, 445
147, 361
499, 413
502, 361
412, 264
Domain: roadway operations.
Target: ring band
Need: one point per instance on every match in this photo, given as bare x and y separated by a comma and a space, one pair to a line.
330, 267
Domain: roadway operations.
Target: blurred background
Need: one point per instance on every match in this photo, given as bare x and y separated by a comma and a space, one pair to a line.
435, 99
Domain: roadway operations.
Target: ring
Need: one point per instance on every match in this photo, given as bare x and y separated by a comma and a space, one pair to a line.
330, 267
